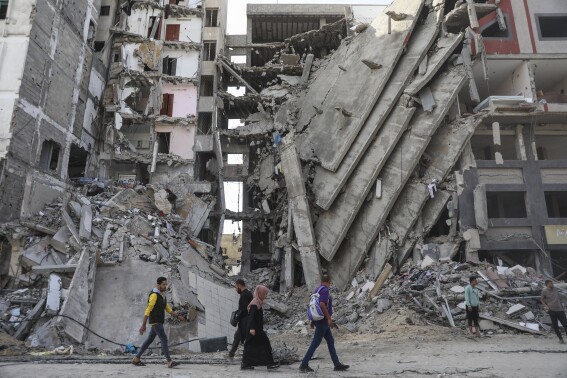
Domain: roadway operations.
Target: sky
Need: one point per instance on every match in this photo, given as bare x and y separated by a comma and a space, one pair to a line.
237, 9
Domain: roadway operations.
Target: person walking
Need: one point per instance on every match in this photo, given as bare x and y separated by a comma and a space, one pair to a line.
552, 303
323, 329
472, 303
257, 347
155, 313
243, 302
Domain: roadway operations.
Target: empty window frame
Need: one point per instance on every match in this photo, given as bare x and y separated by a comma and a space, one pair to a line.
77, 161
235, 159
556, 203
211, 17
207, 85
105, 10
98, 45
49, 157
205, 123
3, 9
483, 147
164, 141
209, 51
172, 32
152, 23
169, 66
167, 105
551, 147
506, 205
551, 26
492, 29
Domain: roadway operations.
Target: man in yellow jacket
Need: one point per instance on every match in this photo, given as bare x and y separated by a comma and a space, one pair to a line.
155, 312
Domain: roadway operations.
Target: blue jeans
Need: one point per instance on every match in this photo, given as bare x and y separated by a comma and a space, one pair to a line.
156, 329
322, 330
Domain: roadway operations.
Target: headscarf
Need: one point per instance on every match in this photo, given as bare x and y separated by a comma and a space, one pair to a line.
260, 293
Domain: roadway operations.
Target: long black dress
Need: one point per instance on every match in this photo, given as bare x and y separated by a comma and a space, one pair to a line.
257, 349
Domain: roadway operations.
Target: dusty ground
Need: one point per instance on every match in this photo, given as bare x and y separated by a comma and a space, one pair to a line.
449, 354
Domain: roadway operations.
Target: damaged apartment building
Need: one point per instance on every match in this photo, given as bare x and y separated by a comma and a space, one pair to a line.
160, 113
433, 132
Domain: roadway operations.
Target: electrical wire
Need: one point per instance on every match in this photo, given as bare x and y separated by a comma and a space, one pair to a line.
99, 336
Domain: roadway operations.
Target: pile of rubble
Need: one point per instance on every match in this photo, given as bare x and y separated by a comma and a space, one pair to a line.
428, 294
55, 254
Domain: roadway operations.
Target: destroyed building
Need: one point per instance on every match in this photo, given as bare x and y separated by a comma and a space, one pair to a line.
52, 79
433, 131
365, 141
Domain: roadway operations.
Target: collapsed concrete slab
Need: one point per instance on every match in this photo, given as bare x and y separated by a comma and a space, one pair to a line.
394, 175
335, 117
327, 184
299, 207
395, 172
195, 211
332, 225
444, 149
430, 215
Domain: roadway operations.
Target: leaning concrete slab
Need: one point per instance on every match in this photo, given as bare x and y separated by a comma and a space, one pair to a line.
394, 175
443, 50
195, 211
326, 184
334, 114
444, 150
79, 299
332, 225
301, 215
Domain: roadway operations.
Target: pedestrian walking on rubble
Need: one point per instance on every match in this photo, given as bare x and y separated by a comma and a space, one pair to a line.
323, 328
242, 315
257, 347
155, 313
472, 302
552, 303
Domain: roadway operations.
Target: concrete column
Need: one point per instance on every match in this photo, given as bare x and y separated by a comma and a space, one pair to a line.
520, 144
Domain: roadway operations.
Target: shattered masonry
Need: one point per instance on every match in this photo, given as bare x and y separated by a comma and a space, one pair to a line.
397, 152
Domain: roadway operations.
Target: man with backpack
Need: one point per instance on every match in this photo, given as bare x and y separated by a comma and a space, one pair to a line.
320, 313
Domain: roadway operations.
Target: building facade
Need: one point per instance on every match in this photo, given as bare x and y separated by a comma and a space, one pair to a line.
51, 82
514, 181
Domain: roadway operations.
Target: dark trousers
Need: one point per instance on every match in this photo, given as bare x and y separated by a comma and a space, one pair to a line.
472, 316
235, 342
322, 331
556, 317
156, 329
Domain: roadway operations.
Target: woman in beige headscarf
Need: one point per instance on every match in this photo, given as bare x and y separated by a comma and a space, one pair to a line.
257, 347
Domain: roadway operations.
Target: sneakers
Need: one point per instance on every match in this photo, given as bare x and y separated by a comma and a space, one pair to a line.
172, 364
341, 367
305, 369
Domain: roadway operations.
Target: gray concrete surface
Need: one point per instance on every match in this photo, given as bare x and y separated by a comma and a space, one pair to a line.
327, 184
394, 176
500, 356
333, 113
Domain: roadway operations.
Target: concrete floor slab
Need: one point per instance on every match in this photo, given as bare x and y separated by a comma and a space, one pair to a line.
333, 110
394, 175
327, 184
445, 148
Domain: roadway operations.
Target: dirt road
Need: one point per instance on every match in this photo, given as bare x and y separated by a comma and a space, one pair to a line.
456, 356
